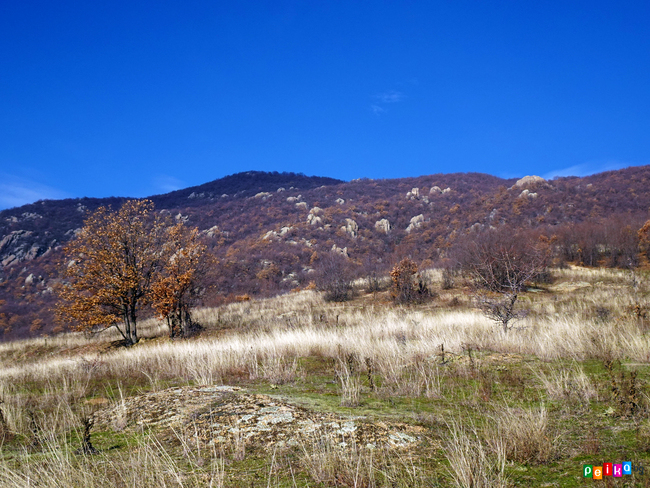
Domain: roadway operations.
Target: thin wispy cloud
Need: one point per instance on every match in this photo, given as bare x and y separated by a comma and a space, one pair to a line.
390, 96
586, 169
381, 100
166, 183
16, 191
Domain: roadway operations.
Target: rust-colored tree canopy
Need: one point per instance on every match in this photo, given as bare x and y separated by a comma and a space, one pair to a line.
122, 261
644, 241
174, 289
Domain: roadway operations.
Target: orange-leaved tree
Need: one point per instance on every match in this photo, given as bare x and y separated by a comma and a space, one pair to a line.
644, 241
177, 285
110, 268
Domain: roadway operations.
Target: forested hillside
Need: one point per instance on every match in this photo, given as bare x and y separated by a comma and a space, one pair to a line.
269, 230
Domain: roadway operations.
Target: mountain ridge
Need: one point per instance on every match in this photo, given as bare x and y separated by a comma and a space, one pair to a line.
269, 228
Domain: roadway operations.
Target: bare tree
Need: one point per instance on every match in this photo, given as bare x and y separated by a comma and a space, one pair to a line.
501, 262
334, 275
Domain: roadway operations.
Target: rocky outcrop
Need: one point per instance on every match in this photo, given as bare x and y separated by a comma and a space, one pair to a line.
529, 181
436, 190
213, 231
414, 194
340, 250
17, 246
416, 222
313, 217
221, 415
527, 194
351, 228
383, 225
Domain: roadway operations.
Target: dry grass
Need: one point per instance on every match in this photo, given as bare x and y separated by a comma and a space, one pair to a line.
523, 434
388, 351
472, 464
571, 384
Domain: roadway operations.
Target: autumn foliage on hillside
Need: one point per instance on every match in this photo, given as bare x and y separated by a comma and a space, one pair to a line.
264, 233
122, 261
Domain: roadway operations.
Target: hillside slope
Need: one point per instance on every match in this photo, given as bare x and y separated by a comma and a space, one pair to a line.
267, 229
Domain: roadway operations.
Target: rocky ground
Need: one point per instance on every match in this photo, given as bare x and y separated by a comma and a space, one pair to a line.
227, 416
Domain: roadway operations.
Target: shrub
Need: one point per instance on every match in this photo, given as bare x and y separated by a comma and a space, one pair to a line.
408, 285
334, 276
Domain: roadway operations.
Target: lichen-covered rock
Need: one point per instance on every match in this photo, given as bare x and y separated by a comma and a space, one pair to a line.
223, 415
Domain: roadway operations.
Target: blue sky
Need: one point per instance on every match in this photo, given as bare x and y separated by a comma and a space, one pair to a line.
137, 98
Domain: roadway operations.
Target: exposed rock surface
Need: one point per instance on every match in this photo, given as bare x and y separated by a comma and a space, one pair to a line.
223, 415
527, 194
414, 194
383, 225
529, 180
415, 223
351, 227
16, 247
343, 251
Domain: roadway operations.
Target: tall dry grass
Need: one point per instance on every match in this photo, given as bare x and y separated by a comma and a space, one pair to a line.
263, 337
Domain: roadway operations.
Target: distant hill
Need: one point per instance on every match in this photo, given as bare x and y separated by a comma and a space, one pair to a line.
267, 229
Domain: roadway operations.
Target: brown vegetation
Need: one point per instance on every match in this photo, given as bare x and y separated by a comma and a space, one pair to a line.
121, 261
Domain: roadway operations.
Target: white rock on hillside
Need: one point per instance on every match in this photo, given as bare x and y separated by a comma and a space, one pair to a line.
343, 251
415, 223
414, 194
314, 219
351, 228
529, 180
383, 225
527, 194
212, 231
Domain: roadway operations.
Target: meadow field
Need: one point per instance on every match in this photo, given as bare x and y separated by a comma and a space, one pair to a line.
293, 391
